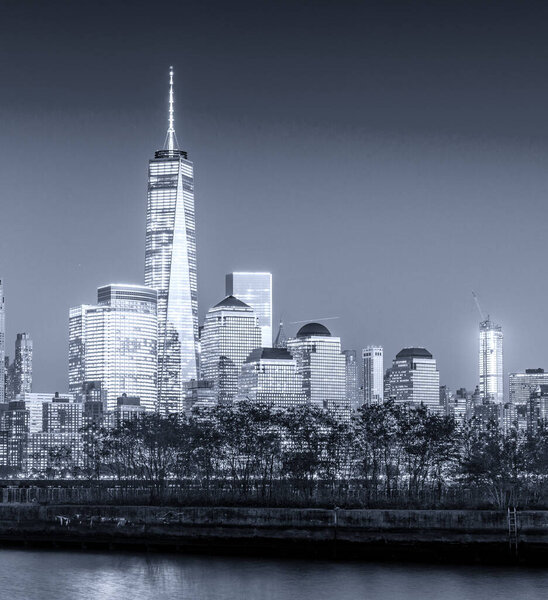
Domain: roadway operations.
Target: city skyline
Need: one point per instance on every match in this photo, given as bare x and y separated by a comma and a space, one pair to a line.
443, 322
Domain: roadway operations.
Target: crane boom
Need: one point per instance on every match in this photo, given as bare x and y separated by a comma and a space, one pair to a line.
476, 299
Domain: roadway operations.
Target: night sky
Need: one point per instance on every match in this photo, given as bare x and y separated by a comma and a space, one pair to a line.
382, 159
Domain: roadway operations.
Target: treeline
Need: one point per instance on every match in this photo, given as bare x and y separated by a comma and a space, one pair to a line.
387, 455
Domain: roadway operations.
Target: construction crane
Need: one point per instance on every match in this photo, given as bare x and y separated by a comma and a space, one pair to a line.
476, 300
313, 320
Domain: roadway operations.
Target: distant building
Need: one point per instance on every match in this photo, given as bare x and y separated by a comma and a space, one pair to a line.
373, 375
23, 364
521, 385
199, 394
128, 408
352, 379
322, 367
414, 379
34, 403
115, 343
255, 289
230, 333
491, 375
62, 416
537, 414
2, 343
269, 376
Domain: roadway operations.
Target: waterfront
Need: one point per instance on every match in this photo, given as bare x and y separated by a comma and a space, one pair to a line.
61, 575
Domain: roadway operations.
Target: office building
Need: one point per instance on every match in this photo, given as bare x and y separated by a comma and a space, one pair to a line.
322, 368
199, 394
2, 344
255, 289
491, 378
269, 376
414, 379
352, 379
114, 344
230, 333
522, 385
22, 365
373, 375
170, 266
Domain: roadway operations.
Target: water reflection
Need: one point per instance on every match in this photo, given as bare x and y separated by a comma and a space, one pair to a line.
49, 575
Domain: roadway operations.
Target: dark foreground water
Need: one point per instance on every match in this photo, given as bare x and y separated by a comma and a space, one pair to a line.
49, 575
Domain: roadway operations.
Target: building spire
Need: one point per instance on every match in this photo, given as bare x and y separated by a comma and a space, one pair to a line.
171, 138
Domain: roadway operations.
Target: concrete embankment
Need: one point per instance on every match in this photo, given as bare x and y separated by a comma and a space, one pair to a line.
429, 535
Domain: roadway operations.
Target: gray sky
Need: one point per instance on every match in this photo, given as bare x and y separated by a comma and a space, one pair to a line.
381, 159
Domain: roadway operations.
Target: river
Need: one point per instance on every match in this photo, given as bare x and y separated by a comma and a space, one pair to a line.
61, 575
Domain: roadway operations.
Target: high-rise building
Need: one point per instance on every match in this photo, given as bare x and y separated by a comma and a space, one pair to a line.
23, 364
491, 378
2, 344
352, 379
269, 376
322, 368
414, 379
373, 375
522, 385
255, 289
170, 266
537, 409
114, 344
229, 335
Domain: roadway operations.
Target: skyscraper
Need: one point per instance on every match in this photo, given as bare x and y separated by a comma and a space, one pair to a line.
229, 335
114, 344
269, 375
2, 344
414, 379
255, 289
352, 386
170, 266
373, 375
23, 364
491, 378
322, 367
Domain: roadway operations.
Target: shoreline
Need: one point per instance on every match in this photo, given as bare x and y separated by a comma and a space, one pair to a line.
422, 536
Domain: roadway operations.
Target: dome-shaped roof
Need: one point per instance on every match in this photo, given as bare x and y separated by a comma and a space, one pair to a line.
313, 329
413, 353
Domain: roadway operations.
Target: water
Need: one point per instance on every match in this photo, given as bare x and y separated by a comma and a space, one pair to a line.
54, 575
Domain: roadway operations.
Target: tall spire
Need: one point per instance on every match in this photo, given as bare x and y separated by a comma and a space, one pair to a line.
171, 138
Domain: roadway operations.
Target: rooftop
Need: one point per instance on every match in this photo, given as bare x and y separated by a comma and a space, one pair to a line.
268, 354
413, 353
231, 301
311, 329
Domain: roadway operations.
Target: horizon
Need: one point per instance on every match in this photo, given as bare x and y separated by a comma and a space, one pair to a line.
388, 225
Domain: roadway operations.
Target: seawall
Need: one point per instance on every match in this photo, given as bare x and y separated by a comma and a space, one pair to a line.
470, 536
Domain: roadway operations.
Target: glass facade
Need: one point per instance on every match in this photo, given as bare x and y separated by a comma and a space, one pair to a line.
491, 377
352, 379
522, 385
414, 379
229, 335
373, 375
170, 266
269, 375
114, 343
255, 289
322, 368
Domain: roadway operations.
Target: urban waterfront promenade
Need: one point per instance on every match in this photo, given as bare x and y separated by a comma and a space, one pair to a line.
469, 536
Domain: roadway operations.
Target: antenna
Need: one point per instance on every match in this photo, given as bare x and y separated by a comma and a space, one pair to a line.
171, 138
476, 299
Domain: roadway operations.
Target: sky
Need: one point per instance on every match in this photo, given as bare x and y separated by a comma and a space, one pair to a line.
381, 159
